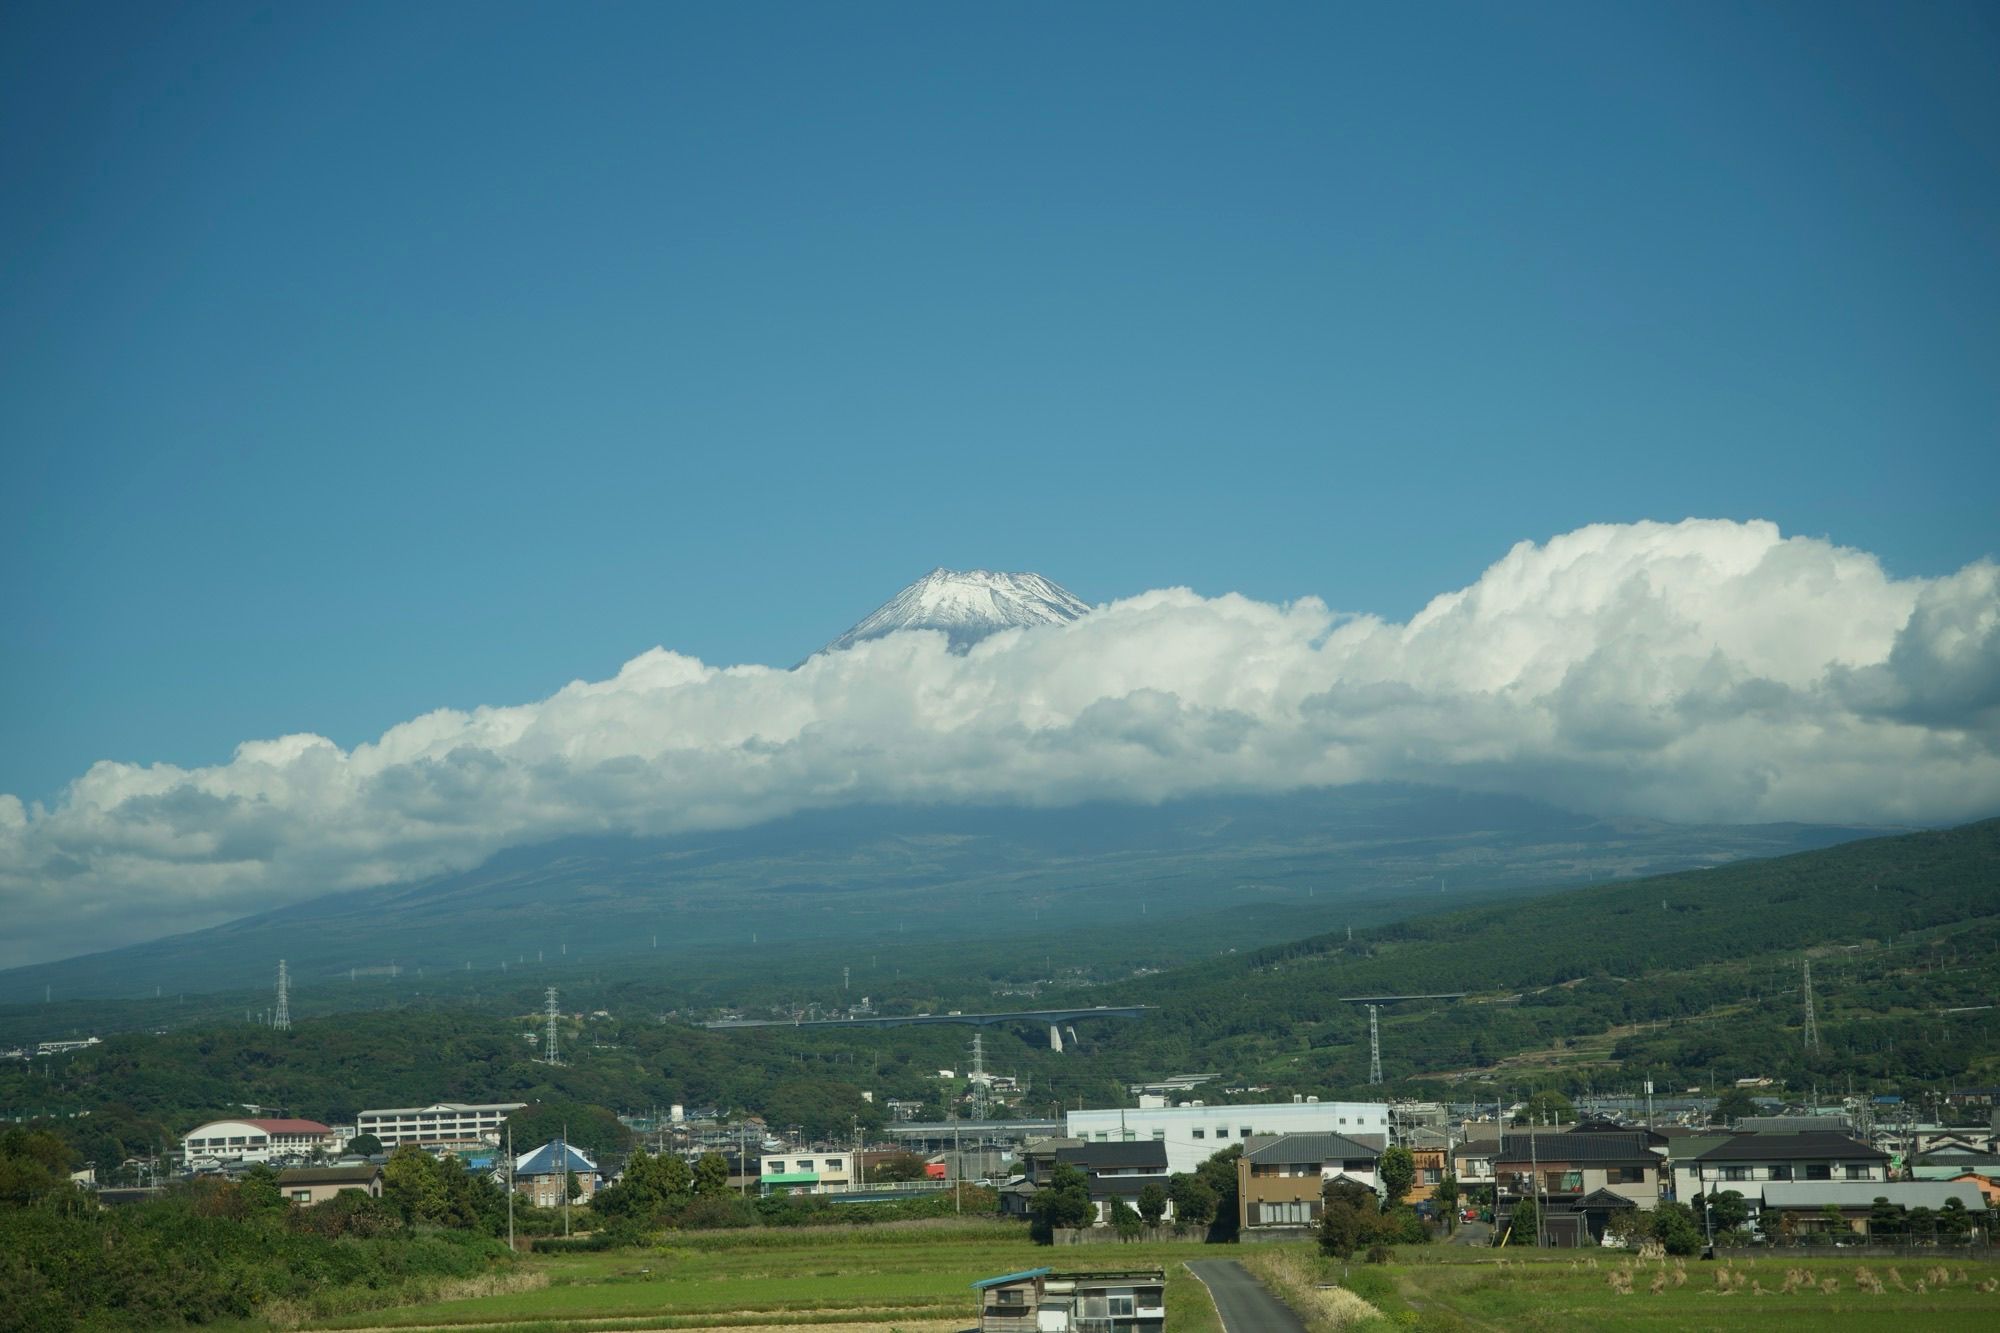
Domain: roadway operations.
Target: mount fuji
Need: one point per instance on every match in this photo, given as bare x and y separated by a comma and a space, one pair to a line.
968, 605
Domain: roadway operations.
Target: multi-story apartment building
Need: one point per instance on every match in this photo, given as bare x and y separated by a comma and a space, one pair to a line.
442, 1125
1194, 1132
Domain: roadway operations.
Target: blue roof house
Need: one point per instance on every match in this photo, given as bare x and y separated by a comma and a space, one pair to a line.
543, 1174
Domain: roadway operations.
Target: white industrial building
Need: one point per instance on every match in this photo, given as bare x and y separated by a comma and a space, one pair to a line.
1193, 1132
443, 1125
256, 1140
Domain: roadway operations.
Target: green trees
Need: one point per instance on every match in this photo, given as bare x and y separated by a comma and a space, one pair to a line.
33, 1165
711, 1176
1063, 1202
1346, 1218
594, 1130
1675, 1227
1125, 1220
259, 1188
1193, 1200
1398, 1169
1549, 1107
1446, 1195
1152, 1203
1526, 1224
1219, 1173
1728, 1211
654, 1186
367, 1145
1733, 1105
426, 1191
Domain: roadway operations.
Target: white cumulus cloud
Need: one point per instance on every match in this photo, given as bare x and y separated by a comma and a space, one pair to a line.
1703, 670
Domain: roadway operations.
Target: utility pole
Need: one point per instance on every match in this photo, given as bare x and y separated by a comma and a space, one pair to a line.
510, 1189
563, 1153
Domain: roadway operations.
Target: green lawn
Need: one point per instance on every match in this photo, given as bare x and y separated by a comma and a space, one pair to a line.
873, 1278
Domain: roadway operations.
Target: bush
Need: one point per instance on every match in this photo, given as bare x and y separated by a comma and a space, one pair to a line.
1380, 1254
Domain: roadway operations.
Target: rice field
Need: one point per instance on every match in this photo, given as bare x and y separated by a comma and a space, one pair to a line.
874, 1280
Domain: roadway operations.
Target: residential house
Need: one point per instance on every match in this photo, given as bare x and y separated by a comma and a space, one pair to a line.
1280, 1179
543, 1175
806, 1171
307, 1186
1432, 1164
1744, 1162
1118, 1172
1581, 1181
1041, 1300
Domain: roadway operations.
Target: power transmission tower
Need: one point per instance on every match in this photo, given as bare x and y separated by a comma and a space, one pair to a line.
1374, 1043
1812, 1022
282, 1021
550, 1054
980, 1088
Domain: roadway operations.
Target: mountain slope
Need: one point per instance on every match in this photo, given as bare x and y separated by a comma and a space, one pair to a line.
1206, 873
967, 605
1903, 927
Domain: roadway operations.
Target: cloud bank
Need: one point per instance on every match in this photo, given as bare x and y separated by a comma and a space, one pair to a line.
1703, 670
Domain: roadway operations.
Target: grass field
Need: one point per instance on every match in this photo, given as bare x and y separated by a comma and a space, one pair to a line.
1453, 1289
916, 1280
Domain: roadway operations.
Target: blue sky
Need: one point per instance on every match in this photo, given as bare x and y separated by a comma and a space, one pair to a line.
359, 360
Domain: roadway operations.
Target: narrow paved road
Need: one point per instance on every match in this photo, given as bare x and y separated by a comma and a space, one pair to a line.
1242, 1301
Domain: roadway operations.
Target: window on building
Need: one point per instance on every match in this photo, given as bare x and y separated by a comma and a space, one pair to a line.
1818, 1172
302, 1196
1857, 1171
1121, 1307
1222, 1131
1159, 1136
1736, 1173
1201, 1133
1782, 1171
833, 1163
1431, 1175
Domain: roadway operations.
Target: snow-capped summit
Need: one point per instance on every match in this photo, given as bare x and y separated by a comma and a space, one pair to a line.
968, 605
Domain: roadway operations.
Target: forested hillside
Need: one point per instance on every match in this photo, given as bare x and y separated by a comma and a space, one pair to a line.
1903, 927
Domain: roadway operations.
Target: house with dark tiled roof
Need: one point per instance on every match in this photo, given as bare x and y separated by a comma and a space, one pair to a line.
1281, 1178
1744, 1162
1579, 1181
1118, 1172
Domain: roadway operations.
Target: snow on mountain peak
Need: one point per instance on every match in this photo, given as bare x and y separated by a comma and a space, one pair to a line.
968, 605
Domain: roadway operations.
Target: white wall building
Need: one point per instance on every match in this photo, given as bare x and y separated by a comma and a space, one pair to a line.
1194, 1132
255, 1140
443, 1125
